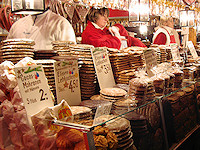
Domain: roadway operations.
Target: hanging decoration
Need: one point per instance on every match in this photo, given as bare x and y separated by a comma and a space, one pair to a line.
139, 10
27, 6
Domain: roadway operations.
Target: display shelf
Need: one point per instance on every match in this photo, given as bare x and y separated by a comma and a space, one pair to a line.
143, 127
1, 35
177, 145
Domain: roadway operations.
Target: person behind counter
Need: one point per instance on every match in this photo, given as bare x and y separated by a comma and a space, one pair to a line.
165, 34
43, 29
97, 34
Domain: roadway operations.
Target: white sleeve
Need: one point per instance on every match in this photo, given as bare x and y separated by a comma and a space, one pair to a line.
66, 32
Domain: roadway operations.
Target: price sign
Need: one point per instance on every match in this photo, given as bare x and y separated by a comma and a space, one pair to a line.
150, 59
102, 110
34, 89
103, 67
175, 52
67, 81
193, 51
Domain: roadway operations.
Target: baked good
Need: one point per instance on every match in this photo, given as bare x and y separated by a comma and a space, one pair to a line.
81, 112
67, 138
112, 94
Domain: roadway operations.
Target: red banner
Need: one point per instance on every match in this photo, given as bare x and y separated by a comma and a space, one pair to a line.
118, 13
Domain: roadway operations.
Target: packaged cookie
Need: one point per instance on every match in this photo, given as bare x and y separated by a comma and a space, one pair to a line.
159, 84
171, 81
166, 77
137, 90
113, 93
150, 93
197, 70
178, 78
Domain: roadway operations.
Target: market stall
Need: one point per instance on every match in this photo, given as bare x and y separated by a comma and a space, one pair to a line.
77, 96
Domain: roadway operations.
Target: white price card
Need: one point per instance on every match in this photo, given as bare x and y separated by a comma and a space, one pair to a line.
34, 88
150, 60
103, 67
175, 52
67, 81
192, 49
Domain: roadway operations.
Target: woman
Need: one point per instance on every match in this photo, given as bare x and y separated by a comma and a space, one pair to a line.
165, 33
98, 35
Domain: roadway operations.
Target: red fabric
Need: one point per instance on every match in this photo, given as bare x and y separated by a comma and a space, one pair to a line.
172, 39
100, 38
122, 30
160, 39
131, 41
118, 13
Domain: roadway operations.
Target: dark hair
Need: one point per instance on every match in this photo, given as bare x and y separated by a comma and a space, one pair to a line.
95, 11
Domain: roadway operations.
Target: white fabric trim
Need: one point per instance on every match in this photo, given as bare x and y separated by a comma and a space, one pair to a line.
96, 26
161, 30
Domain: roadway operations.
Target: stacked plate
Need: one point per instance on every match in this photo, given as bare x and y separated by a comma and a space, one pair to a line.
124, 76
123, 106
16, 49
137, 90
93, 104
152, 114
62, 47
119, 62
150, 94
48, 66
88, 80
163, 53
57, 45
135, 59
121, 127
138, 125
81, 113
113, 94
44, 54
158, 55
113, 51
169, 53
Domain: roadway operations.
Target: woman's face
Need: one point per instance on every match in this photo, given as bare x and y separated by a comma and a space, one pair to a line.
102, 20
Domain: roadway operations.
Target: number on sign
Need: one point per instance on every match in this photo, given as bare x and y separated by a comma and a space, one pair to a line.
73, 84
106, 68
42, 98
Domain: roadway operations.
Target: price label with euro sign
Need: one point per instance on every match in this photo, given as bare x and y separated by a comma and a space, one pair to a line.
103, 67
67, 81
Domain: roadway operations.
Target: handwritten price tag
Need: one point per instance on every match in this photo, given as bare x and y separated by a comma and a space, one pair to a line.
175, 52
103, 67
34, 89
72, 84
67, 81
192, 49
150, 59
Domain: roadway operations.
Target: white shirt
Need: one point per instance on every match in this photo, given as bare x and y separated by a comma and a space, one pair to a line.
48, 27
